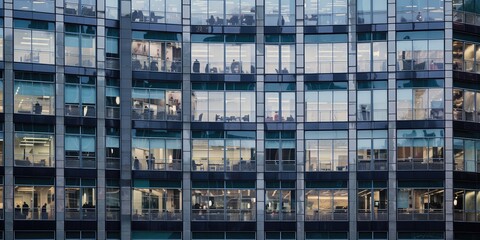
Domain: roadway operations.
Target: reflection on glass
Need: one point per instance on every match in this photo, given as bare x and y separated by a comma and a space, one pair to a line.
80, 202
420, 204
420, 55
80, 7
156, 56
111, 9
371, 11
80, 96
326, 205
157, 11
466, 155
372, 204
47, 6
223, 204
112, 203
156, 204
420, 104
80, 150
34, 149
466, 205
279, 13
34, 202
327, 151
372, 150
34, 97
225, 58
280, 106
326, 12
231, 155
419, 11
220, 12
156, 104
420, 149
156, 153
280, 205
229, 106
34, 46
326, 106
326, 58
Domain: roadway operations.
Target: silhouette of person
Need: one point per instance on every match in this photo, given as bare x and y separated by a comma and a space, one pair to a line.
44, 211
149, 167
211, 21
196, 66
136, 164
25, 209
419, 17
235, 67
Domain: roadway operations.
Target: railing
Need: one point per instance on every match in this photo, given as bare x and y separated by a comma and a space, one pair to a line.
148, 114
280, 216
111, 12
155, 64
372, 115
368, 215
419, 64
77, 110
466, 216
156, 215
321, 167
157, 165
420, 215
35, 160
234, 166
223, 215
420, 114
467, 116
420, 164
113, 112
112, 63
156, 16
113, 214
277, 165
337, 215
112, 163
368, 165
38, 213
466, 17
80, 213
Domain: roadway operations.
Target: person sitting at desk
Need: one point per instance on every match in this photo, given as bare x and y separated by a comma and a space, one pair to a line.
234, 20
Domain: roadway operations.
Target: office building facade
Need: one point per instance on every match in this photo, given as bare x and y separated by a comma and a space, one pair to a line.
240, 119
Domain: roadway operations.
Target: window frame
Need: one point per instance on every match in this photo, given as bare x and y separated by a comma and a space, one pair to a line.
35, 30
80, 34
376, 210
435, 154
153, 138
220, 140
80, 84
332, 138
82, 185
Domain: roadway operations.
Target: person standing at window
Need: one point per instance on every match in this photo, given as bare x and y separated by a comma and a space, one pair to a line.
136, 164
419, 17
